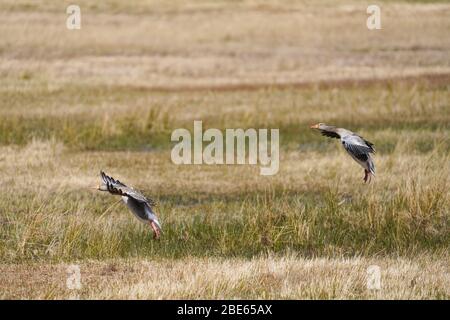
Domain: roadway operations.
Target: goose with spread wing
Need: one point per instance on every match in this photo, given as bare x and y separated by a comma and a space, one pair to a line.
356, 146
136, 201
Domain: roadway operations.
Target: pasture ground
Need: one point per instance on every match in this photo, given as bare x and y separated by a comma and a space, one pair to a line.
109, 95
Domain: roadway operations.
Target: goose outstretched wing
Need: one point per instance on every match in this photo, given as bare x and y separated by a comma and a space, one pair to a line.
116, 187
358, 147
330, 134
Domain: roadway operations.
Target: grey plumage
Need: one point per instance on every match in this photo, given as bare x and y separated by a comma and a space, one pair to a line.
356, 146
136, 201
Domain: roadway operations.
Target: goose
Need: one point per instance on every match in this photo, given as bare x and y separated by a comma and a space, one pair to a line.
356, 146
136, 201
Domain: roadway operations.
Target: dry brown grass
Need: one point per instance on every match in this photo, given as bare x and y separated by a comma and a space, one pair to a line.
287, 277
108, 96
212, 44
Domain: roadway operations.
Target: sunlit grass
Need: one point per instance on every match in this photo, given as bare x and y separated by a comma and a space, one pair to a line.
90, 118
108, 96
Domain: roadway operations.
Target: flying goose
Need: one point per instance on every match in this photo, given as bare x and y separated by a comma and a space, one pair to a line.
356, 146
136, 201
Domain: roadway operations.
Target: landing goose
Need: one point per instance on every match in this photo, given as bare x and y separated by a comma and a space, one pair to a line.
136, 201
356, 146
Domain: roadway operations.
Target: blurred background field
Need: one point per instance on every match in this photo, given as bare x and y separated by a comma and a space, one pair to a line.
109, 95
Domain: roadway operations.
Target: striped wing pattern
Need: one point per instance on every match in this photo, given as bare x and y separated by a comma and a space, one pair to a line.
116, 187
358, 147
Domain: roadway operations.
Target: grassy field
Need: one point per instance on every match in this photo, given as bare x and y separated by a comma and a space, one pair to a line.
109, 95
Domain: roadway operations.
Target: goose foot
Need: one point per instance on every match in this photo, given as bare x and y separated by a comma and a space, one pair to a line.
156, 233
367, 176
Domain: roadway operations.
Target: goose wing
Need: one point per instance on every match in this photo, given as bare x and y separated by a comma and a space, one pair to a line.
358, 147
116, 187
330, 134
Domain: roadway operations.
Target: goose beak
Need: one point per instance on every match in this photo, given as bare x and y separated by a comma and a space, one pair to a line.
95, 187
314, 126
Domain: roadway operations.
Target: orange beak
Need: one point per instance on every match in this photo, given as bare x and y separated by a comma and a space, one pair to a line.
315, 126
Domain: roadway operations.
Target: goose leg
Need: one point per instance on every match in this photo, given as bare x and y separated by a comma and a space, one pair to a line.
156, 232
366, 176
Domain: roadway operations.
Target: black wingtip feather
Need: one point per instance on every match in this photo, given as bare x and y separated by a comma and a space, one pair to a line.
370, 145
330, 134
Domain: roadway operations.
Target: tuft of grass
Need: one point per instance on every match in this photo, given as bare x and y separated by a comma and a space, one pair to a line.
409, 219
